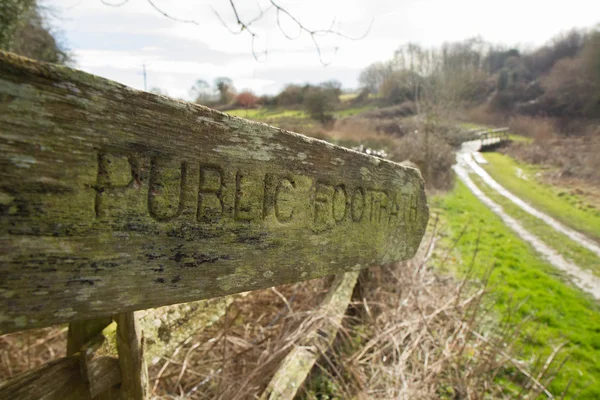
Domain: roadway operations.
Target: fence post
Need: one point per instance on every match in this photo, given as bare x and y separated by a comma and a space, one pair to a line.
81, 332
134, 370
80, 335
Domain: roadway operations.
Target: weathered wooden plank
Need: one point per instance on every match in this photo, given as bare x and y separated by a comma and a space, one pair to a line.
113, 200
99, 362
296, 365
165, 328
81, 332
86, 337
96, 343
56, 380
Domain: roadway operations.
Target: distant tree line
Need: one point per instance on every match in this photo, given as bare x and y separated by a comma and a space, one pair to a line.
24, 30
561, 78
319, 101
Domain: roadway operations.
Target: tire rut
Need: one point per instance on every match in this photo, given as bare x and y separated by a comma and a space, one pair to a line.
583, 279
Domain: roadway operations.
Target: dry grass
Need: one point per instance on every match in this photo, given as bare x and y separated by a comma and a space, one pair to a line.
355, 129
420, 335
410, 333
395, 121
236, 358
572, 145
431, 153
537, 128
481, 115
575, 157
22, 351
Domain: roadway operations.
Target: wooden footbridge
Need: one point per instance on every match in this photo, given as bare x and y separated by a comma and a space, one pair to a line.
491, 139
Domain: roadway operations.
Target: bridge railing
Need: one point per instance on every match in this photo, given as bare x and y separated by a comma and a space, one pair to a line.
490, 137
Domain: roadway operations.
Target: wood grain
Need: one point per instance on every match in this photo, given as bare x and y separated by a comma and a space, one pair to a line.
327, 320
57, 380
134, 370
113, 200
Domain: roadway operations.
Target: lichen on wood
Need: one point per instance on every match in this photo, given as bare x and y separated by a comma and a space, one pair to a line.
99, 361
134, 370
166, 328
113, 200
297, 364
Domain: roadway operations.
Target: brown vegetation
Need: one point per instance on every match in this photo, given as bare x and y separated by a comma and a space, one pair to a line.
570, 147
246, 99
575, 157
431, 153
417, 334
410, 333
387, 120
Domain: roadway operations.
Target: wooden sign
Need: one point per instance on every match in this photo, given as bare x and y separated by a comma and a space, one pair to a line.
112, 199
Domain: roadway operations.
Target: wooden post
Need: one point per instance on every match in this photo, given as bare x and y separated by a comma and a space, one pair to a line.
134, 371
100, 364
296, 366
81, 332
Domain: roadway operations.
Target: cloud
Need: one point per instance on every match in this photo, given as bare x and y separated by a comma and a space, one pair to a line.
116, 41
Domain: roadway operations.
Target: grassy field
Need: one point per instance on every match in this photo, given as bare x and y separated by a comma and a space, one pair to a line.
347, 112
552, 311
264, 113
560, 203
519, 138
569, 249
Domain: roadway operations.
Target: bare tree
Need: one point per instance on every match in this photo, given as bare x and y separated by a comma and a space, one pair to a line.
373, 76
24, 30
226, 90
11, 12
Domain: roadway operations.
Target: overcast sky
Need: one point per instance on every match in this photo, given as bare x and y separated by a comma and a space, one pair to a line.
114, 42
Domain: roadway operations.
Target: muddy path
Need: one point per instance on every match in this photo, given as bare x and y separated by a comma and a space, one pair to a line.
583, 279
575, 236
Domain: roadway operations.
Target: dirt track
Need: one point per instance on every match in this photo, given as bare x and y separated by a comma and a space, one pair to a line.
585, 280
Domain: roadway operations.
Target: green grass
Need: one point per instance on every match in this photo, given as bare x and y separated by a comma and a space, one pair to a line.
559, 312
348, 96
262, 114
468, 125
566, 247
558, 202
353, 111
265, 113
519, 138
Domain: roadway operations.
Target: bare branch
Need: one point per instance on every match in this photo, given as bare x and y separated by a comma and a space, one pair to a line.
106, 3
245, 26
225, 23
283, 32
185, 21
255, 54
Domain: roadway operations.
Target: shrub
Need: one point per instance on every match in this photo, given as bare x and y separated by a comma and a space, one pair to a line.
536, 128
246, 99
431, 153
291, 95
401, 86
320, 103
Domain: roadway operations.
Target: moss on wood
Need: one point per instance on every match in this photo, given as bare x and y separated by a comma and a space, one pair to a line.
297, 364
115, 200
